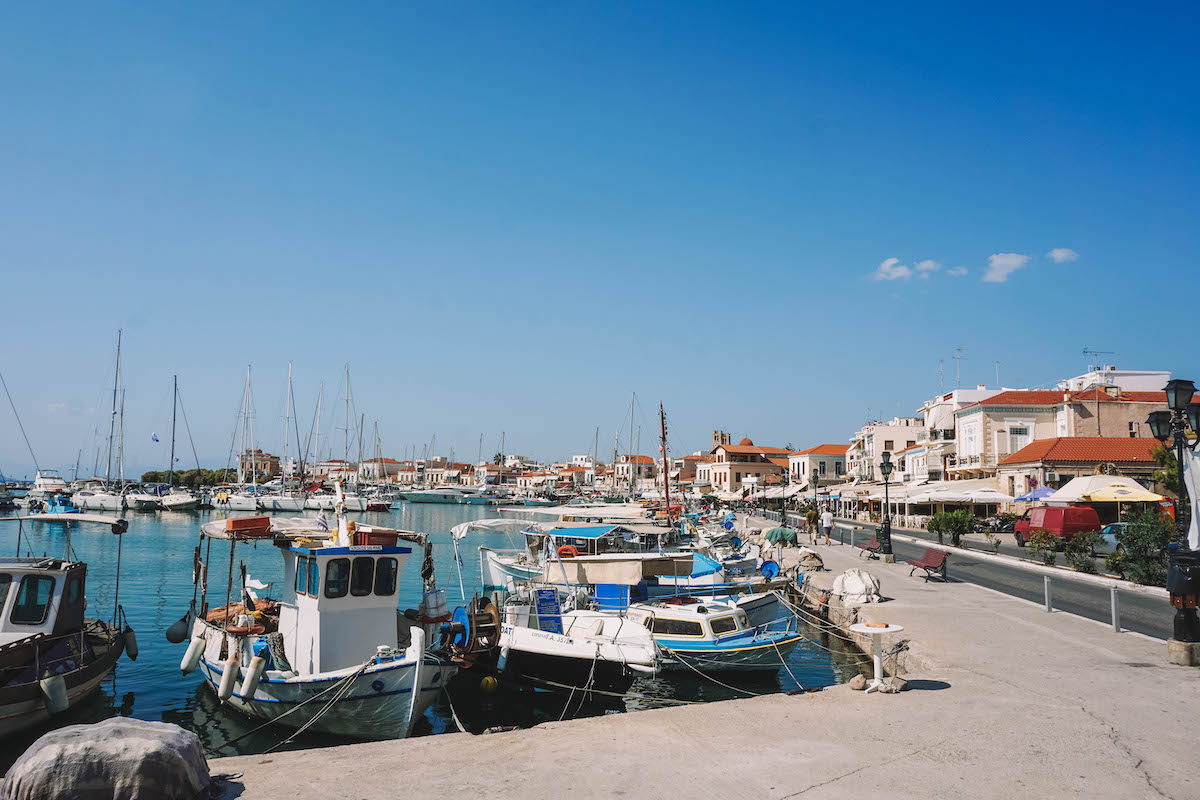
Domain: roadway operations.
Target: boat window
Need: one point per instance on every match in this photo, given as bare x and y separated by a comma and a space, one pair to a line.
314, 578
721, 625
337, 577
33, 600
301, 574
5, 582
362, 575
74, 593
385, 576
677, 627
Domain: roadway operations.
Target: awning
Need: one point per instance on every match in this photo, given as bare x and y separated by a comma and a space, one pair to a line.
1079, 489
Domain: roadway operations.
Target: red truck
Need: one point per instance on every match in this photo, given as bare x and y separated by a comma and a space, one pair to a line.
1061, 521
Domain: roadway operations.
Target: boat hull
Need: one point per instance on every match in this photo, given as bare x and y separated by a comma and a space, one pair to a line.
22, 705
280, 503
376, 705
746, 656
180, 503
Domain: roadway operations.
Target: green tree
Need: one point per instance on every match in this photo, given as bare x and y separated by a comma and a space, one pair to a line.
1144, 542
498, 459
954, 523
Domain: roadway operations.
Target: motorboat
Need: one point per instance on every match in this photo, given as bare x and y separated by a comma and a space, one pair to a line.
441, 494
335, 632
96, 496
45, 483
282, 501
51, 655
545, 642
705, 634
148, 499
229, 498
179, 499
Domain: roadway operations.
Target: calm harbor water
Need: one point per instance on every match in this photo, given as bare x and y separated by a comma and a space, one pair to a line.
156, 588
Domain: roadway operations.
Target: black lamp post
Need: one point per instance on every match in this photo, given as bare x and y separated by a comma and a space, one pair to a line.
885, 538
1183, 574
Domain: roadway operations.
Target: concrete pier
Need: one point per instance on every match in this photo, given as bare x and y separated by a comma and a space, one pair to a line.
1006, 701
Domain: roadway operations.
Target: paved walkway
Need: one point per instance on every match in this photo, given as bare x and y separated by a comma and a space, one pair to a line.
1008, 701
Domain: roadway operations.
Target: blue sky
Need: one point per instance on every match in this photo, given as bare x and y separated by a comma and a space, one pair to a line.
509, 216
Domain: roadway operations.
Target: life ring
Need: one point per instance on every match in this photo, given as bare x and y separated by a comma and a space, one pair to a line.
242, 630
567, 551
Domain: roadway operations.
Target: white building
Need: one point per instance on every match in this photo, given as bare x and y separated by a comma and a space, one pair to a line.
1127, 380
939, 437
826, 461
867, 445
582, 461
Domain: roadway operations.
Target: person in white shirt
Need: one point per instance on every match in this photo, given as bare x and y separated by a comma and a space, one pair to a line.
827, 523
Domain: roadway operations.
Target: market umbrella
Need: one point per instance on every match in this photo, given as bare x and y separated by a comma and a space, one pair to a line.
1121, 493
1036, 494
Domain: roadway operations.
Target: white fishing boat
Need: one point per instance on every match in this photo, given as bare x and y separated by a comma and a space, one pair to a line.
336, 654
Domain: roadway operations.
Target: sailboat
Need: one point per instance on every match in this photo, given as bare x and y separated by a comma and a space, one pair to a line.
285, 500
105, 496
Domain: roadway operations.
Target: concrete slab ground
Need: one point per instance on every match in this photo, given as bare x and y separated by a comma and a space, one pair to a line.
1006, 701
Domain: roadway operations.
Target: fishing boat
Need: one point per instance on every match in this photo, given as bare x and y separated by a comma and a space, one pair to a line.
51, 656
545, 642
333, 654
706, 634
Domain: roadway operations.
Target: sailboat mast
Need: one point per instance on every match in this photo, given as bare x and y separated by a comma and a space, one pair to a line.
632, 400
662, 415
174, 405
346, 447
112, 422
250, 419
287, 418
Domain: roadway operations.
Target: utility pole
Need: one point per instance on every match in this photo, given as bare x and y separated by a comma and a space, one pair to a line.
960, 355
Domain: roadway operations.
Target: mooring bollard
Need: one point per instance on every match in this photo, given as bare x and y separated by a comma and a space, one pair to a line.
852, 537
1049, 595
1116, 609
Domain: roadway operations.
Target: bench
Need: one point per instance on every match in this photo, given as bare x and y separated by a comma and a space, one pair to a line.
871, 548
933, 561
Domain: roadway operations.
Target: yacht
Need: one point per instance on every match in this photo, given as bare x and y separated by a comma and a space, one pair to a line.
46, 483
97, 496
180, 499
441, 494
335, 628
282, 501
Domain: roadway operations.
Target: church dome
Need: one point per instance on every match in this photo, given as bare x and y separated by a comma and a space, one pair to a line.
746, 442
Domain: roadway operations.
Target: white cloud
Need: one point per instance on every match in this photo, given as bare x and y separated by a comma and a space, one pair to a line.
1060, 255
957, 271
891, 269
1001, 265
56, 406
928, 265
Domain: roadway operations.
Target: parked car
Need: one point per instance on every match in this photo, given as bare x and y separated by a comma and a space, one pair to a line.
1108, 539
1061, 521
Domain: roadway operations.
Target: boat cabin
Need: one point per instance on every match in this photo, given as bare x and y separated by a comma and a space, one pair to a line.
339, 603
690, 618
40, 596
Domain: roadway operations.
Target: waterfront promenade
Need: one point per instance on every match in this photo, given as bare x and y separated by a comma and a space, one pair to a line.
1007, 701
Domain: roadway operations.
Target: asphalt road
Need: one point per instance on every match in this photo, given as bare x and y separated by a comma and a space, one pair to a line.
1139, 612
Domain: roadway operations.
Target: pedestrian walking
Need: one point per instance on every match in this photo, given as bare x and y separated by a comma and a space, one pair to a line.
827, 523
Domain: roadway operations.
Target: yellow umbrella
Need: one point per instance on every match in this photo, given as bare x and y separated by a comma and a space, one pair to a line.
1122, 493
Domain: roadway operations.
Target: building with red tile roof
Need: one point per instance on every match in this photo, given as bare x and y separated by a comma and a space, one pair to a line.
1054, 461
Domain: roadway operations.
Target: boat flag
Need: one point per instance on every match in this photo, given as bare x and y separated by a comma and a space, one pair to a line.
154, 437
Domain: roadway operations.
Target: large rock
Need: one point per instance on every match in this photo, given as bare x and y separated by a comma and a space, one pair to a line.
130, 759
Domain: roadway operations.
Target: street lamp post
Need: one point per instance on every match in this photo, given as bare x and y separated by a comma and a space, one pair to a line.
885, 538
1183, 574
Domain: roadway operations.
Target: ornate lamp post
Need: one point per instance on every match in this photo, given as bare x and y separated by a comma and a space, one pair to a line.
1183, 574
885, 532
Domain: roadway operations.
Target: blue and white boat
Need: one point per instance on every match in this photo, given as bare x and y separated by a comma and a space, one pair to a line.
334, 654
706, 634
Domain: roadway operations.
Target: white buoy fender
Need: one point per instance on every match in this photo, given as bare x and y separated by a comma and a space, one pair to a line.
131, 648
192, 657
54, 693
502, 661
254, 673
228, 678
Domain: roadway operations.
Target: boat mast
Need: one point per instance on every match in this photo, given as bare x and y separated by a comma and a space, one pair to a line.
346, 447
112, 422
121, 442
250, 419
287, 417
632, 400
662, 415
174, 405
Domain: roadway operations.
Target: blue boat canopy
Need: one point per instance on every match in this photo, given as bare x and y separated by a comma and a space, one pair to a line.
588, 532
703, 565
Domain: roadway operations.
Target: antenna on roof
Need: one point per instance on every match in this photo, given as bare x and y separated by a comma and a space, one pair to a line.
960, 355
996, 364
1096, 363
941, 373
